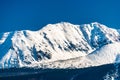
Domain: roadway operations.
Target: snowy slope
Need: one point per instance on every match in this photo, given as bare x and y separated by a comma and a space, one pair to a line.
56, 44
107, 54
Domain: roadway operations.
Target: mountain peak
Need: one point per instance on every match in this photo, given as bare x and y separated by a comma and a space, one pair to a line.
60, 41
95, 23
67, 25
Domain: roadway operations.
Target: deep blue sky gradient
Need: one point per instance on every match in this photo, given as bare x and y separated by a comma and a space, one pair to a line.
34, 14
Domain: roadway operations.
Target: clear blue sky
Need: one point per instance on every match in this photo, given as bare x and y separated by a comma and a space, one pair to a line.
34, 14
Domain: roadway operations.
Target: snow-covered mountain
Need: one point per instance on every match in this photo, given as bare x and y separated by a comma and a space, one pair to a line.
61, 45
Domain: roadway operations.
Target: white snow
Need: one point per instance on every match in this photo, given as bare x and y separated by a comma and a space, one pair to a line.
61, 45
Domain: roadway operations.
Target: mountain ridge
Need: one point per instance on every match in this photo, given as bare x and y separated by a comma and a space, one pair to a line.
53, 42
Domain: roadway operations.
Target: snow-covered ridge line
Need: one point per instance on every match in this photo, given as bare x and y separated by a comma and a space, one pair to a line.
55, 42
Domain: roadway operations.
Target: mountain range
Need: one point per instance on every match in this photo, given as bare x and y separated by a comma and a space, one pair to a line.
60, 45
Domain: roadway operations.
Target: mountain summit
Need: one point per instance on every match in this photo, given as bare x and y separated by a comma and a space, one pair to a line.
55, 45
